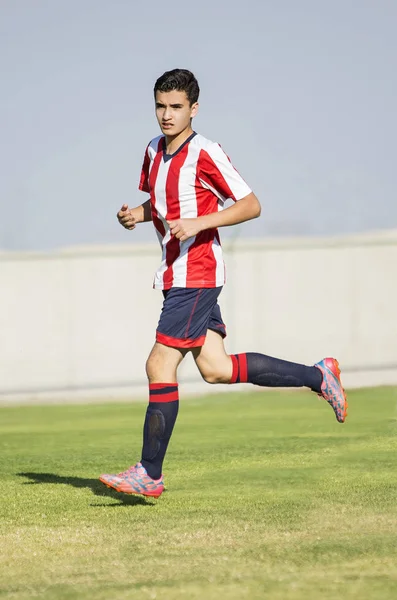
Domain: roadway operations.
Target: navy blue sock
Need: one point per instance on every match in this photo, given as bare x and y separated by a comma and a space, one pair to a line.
266, 371
160, 419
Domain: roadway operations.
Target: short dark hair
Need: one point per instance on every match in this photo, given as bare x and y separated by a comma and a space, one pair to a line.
181, 80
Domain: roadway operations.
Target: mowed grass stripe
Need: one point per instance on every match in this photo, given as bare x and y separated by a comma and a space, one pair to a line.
267, 496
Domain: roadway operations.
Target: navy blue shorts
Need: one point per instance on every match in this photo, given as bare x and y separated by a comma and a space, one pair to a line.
186, 316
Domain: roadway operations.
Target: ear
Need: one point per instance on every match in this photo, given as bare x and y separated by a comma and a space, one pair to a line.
194, 110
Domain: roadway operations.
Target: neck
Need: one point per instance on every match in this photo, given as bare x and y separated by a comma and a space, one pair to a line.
173, 142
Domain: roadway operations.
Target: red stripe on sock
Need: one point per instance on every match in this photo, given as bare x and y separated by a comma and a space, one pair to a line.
167, 396
158, 386
242, 360
170, 397
235, 368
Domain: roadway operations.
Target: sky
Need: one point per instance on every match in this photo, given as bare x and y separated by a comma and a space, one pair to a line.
300, 94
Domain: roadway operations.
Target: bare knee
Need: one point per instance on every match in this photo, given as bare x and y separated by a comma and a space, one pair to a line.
156, 369
220, 374
162, 363
215, 377
153, 365
214, 364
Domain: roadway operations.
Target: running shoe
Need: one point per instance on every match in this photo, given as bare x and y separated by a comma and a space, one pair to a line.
112, 481
137, 481
331, 387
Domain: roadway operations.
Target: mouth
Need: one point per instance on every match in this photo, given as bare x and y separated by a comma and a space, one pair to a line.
166, 125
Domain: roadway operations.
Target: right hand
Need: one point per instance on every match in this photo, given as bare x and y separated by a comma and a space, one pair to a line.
126, 217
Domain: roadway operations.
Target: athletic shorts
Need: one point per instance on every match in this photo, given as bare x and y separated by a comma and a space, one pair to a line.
186, 316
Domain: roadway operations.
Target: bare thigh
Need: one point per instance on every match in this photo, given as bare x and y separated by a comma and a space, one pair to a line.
162, 363
214, 364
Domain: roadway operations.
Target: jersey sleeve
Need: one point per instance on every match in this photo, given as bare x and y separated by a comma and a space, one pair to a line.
217, 173
144, 180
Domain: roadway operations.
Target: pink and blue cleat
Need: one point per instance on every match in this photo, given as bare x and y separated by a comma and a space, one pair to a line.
112, 481
134, 480
331, 387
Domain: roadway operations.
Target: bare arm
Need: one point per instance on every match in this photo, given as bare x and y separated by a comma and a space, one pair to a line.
129, 217
243, 210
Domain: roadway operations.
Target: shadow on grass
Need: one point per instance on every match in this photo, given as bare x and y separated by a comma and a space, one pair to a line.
97, 488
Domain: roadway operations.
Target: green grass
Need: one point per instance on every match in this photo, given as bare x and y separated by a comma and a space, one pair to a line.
267, 497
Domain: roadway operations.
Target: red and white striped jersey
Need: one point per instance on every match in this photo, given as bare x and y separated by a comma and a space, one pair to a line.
196, 180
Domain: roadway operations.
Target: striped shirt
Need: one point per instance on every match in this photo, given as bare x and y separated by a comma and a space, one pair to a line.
196, 180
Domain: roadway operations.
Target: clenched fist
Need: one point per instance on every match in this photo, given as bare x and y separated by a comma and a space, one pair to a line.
183, 229
127, 217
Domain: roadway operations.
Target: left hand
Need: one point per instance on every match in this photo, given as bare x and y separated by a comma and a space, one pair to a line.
183, 229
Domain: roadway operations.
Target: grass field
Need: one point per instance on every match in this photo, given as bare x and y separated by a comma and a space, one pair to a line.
267, 497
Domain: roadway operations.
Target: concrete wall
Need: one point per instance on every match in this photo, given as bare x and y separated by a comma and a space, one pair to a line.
80, 323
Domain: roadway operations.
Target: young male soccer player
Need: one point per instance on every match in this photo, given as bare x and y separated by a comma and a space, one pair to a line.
189, 178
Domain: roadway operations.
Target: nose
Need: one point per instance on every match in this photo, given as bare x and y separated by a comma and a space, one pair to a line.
167, 114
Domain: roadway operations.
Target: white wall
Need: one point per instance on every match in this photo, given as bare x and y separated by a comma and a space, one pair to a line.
80, 323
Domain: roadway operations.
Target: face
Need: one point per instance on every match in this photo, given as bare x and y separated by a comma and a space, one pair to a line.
174, 112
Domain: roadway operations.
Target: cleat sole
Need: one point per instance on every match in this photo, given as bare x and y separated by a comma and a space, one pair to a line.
130, 493
333, 365
337, 369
